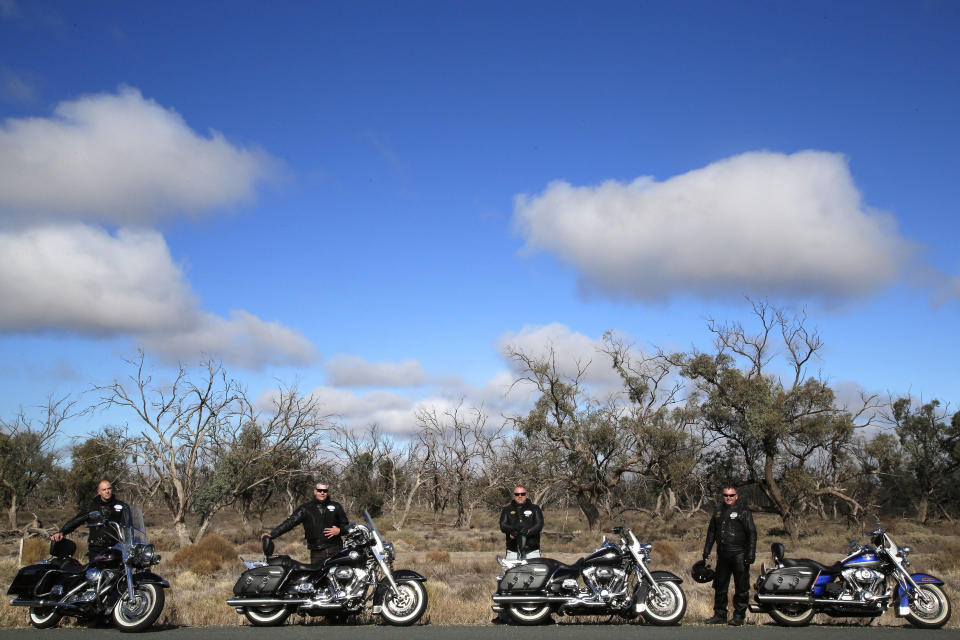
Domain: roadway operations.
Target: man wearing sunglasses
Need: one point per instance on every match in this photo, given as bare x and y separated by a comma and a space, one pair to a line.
521, 521
731, 526
323, 520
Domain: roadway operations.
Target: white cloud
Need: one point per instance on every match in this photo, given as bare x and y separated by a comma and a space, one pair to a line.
120, 158
243, 340
82, 279
757, 223
354, 371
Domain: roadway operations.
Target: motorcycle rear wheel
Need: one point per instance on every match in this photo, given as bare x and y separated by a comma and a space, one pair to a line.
529, 614
669, 608
792, 615
266, 616
932, 615
44, 617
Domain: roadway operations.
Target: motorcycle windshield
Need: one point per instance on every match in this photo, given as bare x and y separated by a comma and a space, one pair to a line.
373, 530
134, 529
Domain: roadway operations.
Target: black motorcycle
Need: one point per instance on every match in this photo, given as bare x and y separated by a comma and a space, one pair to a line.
613, 580
115, 584
360, 576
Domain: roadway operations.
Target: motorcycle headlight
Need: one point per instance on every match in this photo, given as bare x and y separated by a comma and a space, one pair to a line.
144, 554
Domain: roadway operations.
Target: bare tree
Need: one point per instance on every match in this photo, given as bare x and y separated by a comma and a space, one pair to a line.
175, 429
465, 452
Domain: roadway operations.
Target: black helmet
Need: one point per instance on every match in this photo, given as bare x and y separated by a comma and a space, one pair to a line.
701, 572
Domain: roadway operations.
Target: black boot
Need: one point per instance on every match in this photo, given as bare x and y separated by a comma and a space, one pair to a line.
716, 619
736, 621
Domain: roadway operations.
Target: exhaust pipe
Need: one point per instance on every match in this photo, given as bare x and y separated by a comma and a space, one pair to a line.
559, 600
797, 599
17, 602
262, 602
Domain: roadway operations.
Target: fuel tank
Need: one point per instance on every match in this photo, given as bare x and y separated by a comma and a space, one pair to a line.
608, 554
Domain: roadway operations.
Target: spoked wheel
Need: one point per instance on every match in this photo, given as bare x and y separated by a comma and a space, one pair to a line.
667, 608
792, 615
932, 613
44, 617
405, 609
528, 614
266, 616
142, 611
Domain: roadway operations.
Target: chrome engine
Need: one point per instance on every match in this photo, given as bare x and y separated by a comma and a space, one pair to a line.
606, 582
347, 582
864, 584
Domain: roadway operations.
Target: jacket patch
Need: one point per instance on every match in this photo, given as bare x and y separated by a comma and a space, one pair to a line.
513, 513
330, 507
118, 507
734, 515
528, 513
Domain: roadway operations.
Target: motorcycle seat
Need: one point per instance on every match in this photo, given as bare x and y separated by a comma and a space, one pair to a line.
67, 565
813, 564
289, 563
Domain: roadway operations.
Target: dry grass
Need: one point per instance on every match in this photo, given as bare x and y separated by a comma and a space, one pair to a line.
461, 568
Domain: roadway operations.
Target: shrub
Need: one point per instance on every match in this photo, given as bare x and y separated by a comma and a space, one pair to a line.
206, 563
208, 555
438, 557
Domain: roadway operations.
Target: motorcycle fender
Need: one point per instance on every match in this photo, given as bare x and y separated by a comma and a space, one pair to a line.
148, 577
398, 575
666, 576
902, 592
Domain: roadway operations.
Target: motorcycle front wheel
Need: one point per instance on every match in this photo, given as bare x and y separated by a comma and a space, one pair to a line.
266, 616
932, 614
668, 608
528, 614
44, 617
143, 611
405, 609
792, 615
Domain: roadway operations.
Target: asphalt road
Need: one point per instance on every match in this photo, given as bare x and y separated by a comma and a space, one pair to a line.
549, 632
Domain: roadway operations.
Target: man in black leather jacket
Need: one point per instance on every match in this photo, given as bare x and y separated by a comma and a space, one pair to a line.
521, 521
323, 521
731, 526
109, 507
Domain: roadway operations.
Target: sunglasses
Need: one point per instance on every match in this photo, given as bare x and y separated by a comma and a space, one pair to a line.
322, 490
729, 495
520, 494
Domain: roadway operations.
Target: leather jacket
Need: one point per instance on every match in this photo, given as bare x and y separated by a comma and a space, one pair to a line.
111, 509
733, 530
525, 520
315, 516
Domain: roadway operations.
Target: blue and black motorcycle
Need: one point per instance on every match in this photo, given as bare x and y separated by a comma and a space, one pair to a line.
870, 580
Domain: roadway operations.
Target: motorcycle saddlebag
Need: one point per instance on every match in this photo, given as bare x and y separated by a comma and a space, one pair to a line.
524, 578
788, 580
26, 581
258, 581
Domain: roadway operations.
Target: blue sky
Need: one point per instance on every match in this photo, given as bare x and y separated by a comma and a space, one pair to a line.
372, 199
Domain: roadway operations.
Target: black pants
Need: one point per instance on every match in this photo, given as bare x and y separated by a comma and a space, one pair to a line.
731, 564
319, 555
